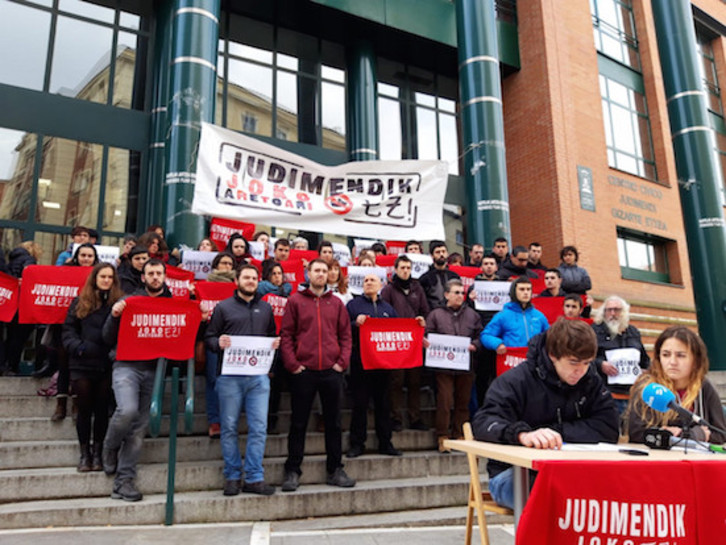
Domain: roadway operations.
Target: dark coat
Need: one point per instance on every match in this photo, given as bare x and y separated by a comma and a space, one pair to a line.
433, 283
509, 269
408, 302
129, 278
83, 340
532, 396
574, 279
463, 322
18, 259
630, 338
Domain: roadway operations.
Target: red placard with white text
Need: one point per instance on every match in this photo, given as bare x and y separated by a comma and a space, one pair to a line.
395, 247
8, 297
391, 343
214, 292
293, 272
277, 302
467, 274
387, 262
221, 229
46, 292
514, 356
158, 327
307, 255
179, 281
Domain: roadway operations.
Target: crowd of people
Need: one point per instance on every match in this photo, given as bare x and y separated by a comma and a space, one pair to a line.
318, 356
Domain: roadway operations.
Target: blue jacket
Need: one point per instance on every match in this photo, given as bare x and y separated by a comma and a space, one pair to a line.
265, 287
513, 326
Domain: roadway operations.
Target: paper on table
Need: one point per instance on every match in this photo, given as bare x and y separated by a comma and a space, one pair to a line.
600, 447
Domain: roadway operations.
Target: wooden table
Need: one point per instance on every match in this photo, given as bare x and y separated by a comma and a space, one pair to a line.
523, 459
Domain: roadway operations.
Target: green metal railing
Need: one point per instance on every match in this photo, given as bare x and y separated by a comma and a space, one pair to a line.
157, 398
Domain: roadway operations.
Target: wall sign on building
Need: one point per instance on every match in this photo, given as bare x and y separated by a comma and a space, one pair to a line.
587, 195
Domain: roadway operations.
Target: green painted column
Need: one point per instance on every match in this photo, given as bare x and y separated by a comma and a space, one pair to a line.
150, 210
362, 108
482, 123
699, 172
192, 91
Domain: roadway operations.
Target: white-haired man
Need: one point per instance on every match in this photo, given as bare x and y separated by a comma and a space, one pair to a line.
620, 351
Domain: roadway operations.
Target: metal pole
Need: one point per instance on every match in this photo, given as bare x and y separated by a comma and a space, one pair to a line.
699, 173
482, 123
173, 418
362, 103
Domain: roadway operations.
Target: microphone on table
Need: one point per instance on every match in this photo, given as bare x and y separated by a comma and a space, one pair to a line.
661, 399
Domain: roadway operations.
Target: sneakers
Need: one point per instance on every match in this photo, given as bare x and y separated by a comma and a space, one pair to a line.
231, 488
418, 425
126, 491
214, 430
340, 478
442, 448
260, 487
291, 482
109, 457
354, 451
390, 450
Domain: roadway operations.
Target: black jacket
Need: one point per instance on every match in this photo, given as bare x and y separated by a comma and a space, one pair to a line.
509, 269
630, 338
433, 283
532, 396
407, 298
235, 316
83, 340
18, 259
130, 278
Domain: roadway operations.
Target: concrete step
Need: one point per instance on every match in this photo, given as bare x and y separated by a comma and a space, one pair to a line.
60, 453
65, 482
369, 496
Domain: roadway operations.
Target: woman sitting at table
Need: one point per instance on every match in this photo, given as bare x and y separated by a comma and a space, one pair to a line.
680, 364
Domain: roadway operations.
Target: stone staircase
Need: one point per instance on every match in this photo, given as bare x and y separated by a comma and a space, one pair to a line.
40, 487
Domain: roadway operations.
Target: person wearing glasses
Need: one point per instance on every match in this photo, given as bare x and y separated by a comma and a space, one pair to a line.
453, 388
517, 265
620, 351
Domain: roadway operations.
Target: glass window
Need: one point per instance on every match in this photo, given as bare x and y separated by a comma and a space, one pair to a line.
17, 168
389, 129
125, 64
627, 129
24, 35
643, 256
614, 29
87, 9
708, 70
249, 93
333, 113
52, 244
117, 190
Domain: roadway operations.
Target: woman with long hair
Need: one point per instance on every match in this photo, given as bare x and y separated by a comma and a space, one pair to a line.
274, 281
89, 360
338, 282
680, 363
240, 250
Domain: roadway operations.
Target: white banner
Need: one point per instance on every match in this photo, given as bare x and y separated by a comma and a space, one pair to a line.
448, 352
356, 275
242, 178
200, 263
491, 295
342, 253
420, 264
248, 355
627, 360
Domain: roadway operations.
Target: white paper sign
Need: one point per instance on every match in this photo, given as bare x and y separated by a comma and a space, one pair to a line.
448, 352
627, 360
257, 250
248, 355
420, 264
491, 295
342, 253
200, 263
356, 275
360, 244
241, 177
106, 254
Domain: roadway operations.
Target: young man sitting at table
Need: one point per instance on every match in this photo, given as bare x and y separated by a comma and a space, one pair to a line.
554, 396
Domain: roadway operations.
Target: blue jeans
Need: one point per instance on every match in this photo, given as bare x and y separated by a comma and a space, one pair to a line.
501, 487
210, 394
252, 392
132, 383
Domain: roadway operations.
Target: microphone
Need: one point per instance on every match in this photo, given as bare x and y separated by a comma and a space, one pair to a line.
659, 398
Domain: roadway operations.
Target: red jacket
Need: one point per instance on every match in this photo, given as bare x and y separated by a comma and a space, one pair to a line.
315, 332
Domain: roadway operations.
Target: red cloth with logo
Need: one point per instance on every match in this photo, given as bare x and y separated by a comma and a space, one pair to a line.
178, 281
221, 229
633, 491
551, 307
153, 327
391, 343
277, 302
514, 356
214, 292
46, 292
8, 297
307, 255
710, 482
293, 272
388, 262
467, 274
395, 247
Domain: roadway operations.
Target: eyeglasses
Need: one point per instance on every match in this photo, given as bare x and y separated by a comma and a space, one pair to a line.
457, 292
616, 310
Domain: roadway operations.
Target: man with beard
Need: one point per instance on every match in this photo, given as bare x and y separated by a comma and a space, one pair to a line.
245, 313
435, 279
133, 382
407, 297
613, 330
500, 250
517, 265
476, 253
553, 284
535, 257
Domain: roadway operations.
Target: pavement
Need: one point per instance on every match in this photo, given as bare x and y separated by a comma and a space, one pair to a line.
260, 533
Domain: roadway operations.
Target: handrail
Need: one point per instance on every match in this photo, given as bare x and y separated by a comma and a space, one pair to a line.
189, 404
157, 398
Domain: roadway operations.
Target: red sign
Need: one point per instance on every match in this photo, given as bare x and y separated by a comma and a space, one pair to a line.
293, 272
634, 503
467, 274
179, 281
307, 255
514, 356
388, 262
395, 247
551, 307
214, 292
8, 297
221, 229
154, 327
46, 292
277, 302
391, 343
